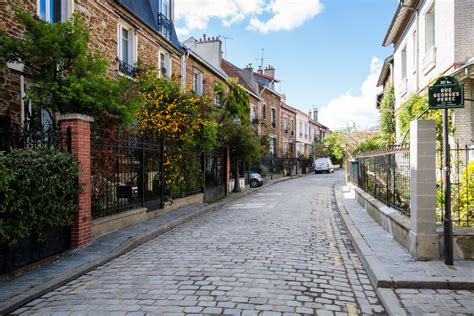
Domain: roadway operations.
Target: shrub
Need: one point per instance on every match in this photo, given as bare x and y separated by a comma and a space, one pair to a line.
38, 190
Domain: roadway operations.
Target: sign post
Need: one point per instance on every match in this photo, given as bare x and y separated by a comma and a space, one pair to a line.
445, 94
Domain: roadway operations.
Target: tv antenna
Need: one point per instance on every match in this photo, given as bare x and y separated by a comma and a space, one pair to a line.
225, 43
262, 59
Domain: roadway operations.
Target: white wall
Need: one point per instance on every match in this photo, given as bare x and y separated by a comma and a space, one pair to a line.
417, 77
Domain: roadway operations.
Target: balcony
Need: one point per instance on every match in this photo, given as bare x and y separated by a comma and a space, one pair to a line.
165, 26
403, 87
126, 69
429, 61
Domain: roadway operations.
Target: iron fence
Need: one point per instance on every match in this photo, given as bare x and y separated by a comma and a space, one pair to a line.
129, 171
462, 186
385, 175
282, 166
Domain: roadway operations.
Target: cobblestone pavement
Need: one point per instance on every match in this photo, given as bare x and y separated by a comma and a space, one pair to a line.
279, 251
436, 302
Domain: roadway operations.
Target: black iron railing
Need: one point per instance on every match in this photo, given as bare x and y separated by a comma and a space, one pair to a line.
126, 69
462, 186
165, 26
282, 166
385, 175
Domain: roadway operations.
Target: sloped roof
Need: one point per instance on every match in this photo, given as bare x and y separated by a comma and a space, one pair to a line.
147, 12
233, 71
399, 21
384, 73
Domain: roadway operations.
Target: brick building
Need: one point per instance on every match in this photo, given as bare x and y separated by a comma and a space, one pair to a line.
124, 31
270, 107
288, 130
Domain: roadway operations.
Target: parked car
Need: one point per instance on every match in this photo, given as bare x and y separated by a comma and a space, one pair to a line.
323, 165
255, 180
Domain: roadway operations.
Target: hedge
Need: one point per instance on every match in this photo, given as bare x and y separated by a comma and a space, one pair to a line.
38, 190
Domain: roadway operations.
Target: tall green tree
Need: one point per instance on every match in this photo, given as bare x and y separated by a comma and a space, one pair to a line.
237, 102
387, 116
65, 75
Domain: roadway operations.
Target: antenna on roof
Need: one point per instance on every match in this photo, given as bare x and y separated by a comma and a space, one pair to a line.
225, 44
262, 59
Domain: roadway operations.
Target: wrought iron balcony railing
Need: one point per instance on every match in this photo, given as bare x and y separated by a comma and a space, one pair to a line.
126, 69
165, 26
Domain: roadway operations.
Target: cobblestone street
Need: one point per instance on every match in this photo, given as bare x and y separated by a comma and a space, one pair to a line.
279, 251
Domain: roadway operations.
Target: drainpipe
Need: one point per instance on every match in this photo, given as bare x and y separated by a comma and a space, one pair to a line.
184, 61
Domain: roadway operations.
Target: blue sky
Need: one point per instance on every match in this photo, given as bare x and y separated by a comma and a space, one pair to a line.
323, 50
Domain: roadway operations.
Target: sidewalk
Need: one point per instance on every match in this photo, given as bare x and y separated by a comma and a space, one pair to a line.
76, 262
417, 287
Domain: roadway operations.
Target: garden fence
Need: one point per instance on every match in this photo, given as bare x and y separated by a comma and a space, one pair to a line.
130, 171
282, 166
462, 186
385, 175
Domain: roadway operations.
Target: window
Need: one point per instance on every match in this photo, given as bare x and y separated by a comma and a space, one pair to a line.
164, 62
126, 49
197, 82
430, 29
285, 125
272, 146
305, 130
414, 53
54, 11
252, 114
33, 115
301, 129
273, 118
264, 111
165, 8
404, 63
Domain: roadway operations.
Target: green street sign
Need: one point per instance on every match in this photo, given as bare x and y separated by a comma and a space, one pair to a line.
446, 93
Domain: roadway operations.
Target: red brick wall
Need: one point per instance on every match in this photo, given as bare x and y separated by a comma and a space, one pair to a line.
81, 146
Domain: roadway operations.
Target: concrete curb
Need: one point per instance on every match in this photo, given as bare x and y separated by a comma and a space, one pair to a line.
381, 280
15, 302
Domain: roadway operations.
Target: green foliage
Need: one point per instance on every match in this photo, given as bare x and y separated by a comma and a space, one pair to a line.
332, 145
415, 106
38, 190
237, 102
67, 77
464, 196
374, 142
264, 145
387, 116
242, 139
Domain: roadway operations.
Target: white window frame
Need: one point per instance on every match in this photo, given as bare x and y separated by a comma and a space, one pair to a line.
430, 28
67, 9
252, 113
132, 42
415, 50
403, 64
198, 86
167, 63
27, 107
168, 9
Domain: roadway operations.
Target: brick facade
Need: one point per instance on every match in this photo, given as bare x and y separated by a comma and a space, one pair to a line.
287, 139
80, 127
102, 17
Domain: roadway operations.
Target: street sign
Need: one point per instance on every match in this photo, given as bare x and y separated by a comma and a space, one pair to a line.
446, 93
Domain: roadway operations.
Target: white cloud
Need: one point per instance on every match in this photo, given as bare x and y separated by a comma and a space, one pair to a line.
286, 15
361, 109
283, 14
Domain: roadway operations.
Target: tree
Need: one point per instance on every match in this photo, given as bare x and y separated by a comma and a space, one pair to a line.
65, 75
387, 116
241, 138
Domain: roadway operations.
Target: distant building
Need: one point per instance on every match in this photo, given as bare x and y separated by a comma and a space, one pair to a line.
288, 130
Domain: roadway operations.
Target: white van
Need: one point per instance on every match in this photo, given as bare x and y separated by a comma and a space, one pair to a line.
323, 165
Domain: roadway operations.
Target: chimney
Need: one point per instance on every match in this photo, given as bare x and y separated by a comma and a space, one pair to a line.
204, 37
260, 70
270, 71
310, 115
315, 115
248, 73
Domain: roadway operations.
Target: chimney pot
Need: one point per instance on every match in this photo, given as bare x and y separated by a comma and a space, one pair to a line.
204, 37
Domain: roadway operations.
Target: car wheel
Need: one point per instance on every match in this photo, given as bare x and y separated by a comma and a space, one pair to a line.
254, 183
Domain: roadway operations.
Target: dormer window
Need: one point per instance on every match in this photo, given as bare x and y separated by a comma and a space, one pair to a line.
166, 8
54, 11
126, 49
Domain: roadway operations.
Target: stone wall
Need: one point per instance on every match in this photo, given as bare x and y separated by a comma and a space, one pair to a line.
271, 100
210, 78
